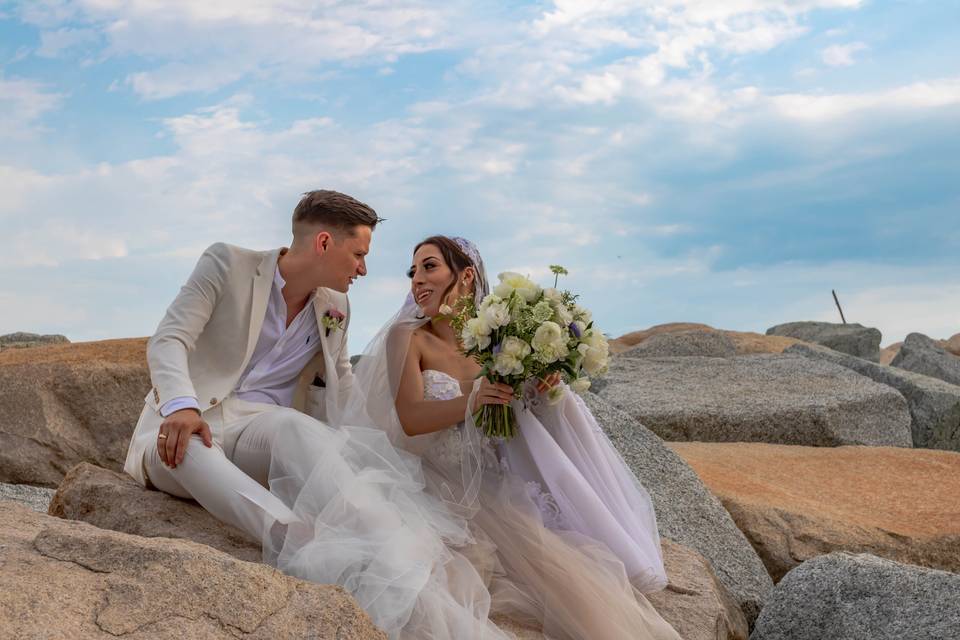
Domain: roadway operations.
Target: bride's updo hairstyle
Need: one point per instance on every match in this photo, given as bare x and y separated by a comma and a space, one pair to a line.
453, 255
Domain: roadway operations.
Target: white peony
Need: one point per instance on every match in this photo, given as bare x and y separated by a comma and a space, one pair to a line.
494, 311
510, 282
515, 347
580, 385
550, 343
552, 295
595, 352
507, 364
476, 333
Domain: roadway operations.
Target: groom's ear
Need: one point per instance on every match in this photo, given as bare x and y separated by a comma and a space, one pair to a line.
321, 242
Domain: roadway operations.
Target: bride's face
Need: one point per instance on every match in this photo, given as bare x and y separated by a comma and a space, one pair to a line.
430, 277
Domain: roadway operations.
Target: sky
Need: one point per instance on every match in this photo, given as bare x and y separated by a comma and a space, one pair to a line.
720, 161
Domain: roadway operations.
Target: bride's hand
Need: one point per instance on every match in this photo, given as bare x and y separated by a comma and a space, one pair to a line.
549, 382
491, 393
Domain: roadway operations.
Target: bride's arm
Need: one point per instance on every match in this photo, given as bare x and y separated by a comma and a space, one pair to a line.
419, 416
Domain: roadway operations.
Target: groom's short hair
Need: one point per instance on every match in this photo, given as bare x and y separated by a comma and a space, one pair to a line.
333, 210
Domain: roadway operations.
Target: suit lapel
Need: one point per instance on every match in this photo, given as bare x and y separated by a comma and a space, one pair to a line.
262, 283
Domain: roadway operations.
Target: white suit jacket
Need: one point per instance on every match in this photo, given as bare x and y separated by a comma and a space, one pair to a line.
205, 341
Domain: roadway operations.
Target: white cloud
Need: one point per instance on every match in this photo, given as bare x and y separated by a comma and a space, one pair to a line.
919, 95
23, 103
841, 55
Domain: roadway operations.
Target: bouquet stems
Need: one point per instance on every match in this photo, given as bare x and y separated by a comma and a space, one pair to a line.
497, 421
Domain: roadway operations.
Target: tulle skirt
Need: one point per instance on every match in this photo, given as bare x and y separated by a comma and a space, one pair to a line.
582, 484
570, 585
362, 520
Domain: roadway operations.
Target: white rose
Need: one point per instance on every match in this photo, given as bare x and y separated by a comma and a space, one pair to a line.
510, 282
551, 295
476, 333
550, 343
595, 352
507, 364
580, 385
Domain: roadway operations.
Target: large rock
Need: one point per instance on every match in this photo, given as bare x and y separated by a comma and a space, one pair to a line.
115, 501
64, 579
921, 354
862, 597
855, 339
952, 344
695, 602
934, 404
36, 498
22, 340
794, 503
778, 398
686, 343
70, 403
632, 339
695, 599
687, 512
745, 342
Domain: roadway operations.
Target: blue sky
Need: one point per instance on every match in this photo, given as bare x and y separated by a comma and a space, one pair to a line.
726, 162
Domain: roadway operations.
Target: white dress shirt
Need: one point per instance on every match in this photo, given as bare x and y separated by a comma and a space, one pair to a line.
280, 355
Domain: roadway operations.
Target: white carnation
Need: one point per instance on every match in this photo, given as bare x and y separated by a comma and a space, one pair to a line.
510, 282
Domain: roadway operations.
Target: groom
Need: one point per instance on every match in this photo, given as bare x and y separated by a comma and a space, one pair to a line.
242, 352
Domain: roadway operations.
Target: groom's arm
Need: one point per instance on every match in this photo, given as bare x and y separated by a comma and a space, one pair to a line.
182, 324
344, 368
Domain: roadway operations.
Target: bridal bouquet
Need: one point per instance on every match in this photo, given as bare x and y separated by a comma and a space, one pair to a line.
522, 332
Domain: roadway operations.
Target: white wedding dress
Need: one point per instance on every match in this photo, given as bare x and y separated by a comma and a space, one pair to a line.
554, 519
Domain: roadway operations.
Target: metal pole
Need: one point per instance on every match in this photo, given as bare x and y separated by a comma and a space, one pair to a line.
838, 306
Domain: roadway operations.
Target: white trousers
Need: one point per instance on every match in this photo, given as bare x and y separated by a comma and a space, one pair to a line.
230, 478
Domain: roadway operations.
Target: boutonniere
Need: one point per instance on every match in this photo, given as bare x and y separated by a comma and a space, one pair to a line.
332, 319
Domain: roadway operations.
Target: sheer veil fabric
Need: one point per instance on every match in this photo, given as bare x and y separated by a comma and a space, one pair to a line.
435, 533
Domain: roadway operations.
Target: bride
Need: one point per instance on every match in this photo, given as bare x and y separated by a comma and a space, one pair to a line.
557, 532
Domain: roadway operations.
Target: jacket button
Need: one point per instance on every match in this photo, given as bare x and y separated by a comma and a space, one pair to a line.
213, 401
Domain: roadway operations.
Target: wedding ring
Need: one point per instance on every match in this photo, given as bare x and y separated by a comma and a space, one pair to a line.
162, 436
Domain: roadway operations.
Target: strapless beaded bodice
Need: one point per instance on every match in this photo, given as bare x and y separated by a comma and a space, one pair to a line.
438, 385
447, 450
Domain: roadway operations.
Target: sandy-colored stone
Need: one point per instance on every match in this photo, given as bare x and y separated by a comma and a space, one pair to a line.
746, 342
632, 339
794, 503
952, 344
68, 403
69, 580
887, 354
695, 603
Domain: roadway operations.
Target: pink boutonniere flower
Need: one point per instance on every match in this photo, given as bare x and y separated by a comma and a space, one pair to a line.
333, 319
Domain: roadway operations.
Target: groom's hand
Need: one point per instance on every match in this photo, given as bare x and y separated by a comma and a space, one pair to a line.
175, 433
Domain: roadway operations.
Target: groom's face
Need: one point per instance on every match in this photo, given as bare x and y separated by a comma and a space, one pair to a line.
345, 258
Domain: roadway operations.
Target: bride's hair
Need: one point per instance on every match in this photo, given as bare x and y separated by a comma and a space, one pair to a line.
453, 255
